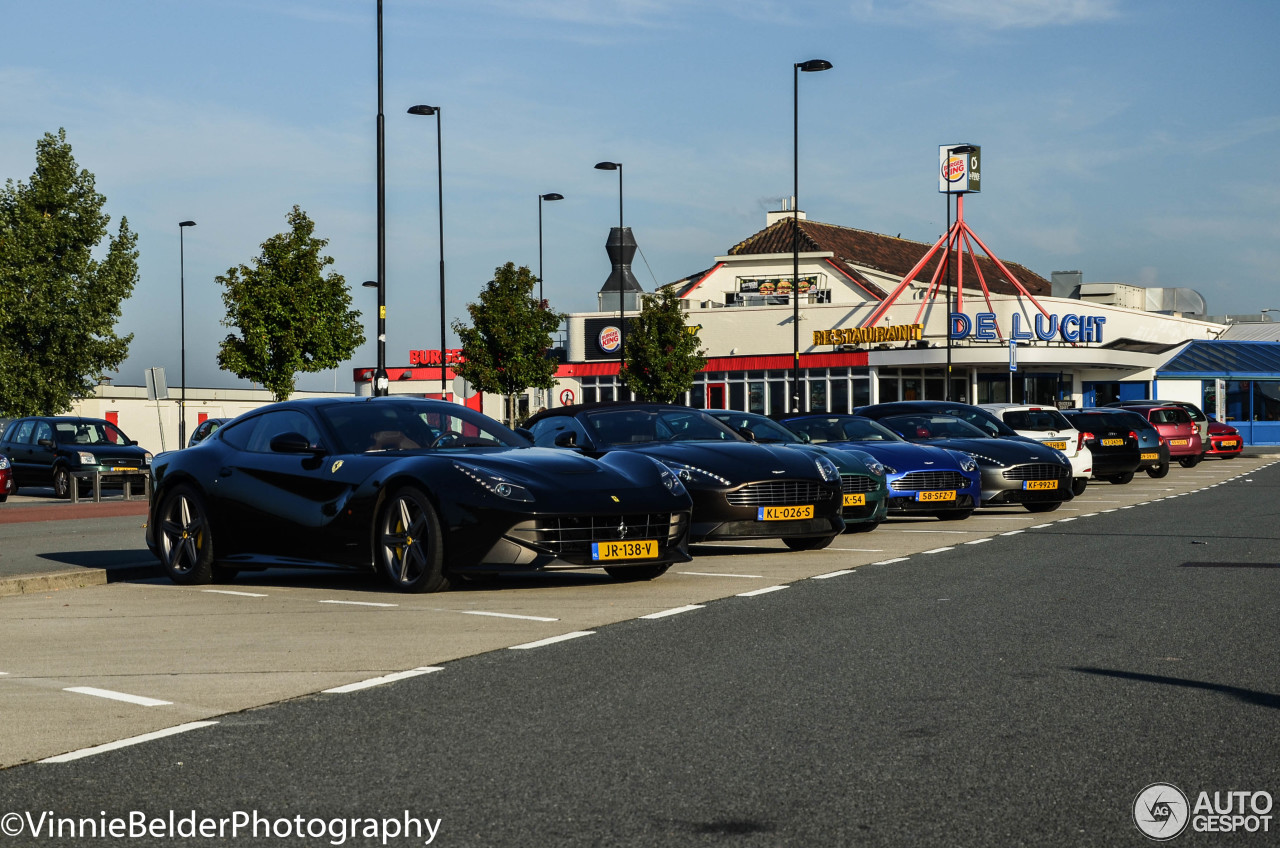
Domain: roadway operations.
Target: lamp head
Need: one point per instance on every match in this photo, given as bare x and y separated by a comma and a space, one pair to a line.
424, 110
370, 284
551, 196
186, 223
964, 148
814, 65
608, 166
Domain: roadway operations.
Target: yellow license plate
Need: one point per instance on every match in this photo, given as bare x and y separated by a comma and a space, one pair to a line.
123, 469
935, 496
1112, 443
1179, 441
1040, 484
784, 513
856, 500
1057, 444
1147, 456
1230, 444
639, 549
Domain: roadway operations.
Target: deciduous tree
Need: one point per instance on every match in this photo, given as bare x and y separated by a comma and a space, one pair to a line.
663, 355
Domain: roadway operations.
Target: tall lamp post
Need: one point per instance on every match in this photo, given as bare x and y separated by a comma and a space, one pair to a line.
381, 385
622, 295
182, 307
435, 110
808, 67
548, 197
963, 150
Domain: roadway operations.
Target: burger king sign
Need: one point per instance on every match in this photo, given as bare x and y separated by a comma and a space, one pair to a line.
959, 168
610, 339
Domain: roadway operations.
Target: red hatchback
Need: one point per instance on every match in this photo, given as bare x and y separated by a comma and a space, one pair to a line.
1224, 440
1179, 430
7, 486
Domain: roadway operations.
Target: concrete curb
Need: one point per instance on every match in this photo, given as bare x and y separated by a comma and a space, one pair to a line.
31, 584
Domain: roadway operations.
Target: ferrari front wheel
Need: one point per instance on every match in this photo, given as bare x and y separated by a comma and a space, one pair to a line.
185, 537
408, 547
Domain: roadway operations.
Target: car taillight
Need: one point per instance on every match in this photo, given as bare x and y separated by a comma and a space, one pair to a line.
1080, 441
1086, 437
1133, 434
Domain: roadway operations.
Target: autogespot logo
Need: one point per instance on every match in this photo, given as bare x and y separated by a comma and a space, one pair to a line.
1161, 812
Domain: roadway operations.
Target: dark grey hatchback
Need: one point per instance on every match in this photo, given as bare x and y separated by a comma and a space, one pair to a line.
49, 450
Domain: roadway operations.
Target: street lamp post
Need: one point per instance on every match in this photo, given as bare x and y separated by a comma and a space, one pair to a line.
435, 110
963, 150
808, 67
548, 197
381, 385
622, 294
182, 308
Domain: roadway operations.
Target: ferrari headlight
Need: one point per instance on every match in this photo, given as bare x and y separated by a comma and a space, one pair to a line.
87, 458
693, 475
496, 484
671, 481
827, 469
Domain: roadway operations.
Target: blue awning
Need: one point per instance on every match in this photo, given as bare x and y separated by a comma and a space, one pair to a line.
1225, 360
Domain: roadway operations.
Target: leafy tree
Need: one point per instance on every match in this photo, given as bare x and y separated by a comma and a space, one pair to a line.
662, 355
505, 351
292, 317
58, 305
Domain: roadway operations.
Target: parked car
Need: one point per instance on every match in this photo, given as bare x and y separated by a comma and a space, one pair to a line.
979, 416
419, 491
1225, 441
1196, 413
1154, 450
923, 479
205, 429
1110, 437
7, 485
49, 450
741, 490
1014, 471
863, 486
1046, 425
1180, 432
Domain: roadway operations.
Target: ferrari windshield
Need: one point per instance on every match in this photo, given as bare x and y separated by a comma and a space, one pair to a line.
632, 426
400, 425
846, 428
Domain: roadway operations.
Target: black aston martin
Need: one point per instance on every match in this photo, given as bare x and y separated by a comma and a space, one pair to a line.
741, 490
417, 490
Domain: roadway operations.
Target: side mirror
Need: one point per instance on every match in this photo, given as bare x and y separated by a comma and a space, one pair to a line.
46, 443
293, 443
747, 433
566, 439
526, 432
804, 438
133, 443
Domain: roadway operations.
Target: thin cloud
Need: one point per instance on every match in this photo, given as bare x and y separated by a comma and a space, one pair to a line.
989, 14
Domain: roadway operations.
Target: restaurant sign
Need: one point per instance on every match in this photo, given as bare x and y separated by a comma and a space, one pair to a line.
869, 335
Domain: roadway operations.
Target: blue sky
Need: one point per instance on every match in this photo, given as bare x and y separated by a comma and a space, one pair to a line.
1134, 140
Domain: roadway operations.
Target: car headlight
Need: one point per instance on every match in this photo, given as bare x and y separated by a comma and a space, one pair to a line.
692, 474
4, 462
146, 458
876, 468
969, 462
496, 484
827, 469
87, 458
669, 479
889, 469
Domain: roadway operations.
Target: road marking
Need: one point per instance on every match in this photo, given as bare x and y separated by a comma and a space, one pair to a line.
230, 592
1088, 515
386, 678
938, 550
1109, 510
552, 640
716, 574
118, 696
763, 591
504, 615
978, 541
124, 743
675, 611
1013, 532
1130, 506
996, 517
859, 550
960, 532
360, 603
831, 574
1040, 526
1060, 520
888, 561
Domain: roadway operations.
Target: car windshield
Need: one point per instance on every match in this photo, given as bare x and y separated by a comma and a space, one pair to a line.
88, 433
845, 428
632, 426
923, 427
380, 426
762, 428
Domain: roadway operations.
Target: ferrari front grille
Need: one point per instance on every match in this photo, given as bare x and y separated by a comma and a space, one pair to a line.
575, 534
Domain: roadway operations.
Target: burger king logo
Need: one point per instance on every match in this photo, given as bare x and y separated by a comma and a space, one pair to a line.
953, 168
610, 339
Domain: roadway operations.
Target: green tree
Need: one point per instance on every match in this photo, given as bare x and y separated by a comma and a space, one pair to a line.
58, 305
505, 349
292, 317
662, 355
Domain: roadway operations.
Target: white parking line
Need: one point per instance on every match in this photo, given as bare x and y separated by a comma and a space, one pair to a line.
859, 550
360, 603
118, 696
230, 592
938, 550
503, 615
1060, 520
1109, 510
888, 561
960, 532
978, 541
378, 681
675, 611
124, 743
1088, 515
831, 574
551, 641
763, 591
1013, 532
1040, 526
716, 574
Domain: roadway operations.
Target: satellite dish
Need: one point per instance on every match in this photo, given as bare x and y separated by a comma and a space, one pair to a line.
463, 389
